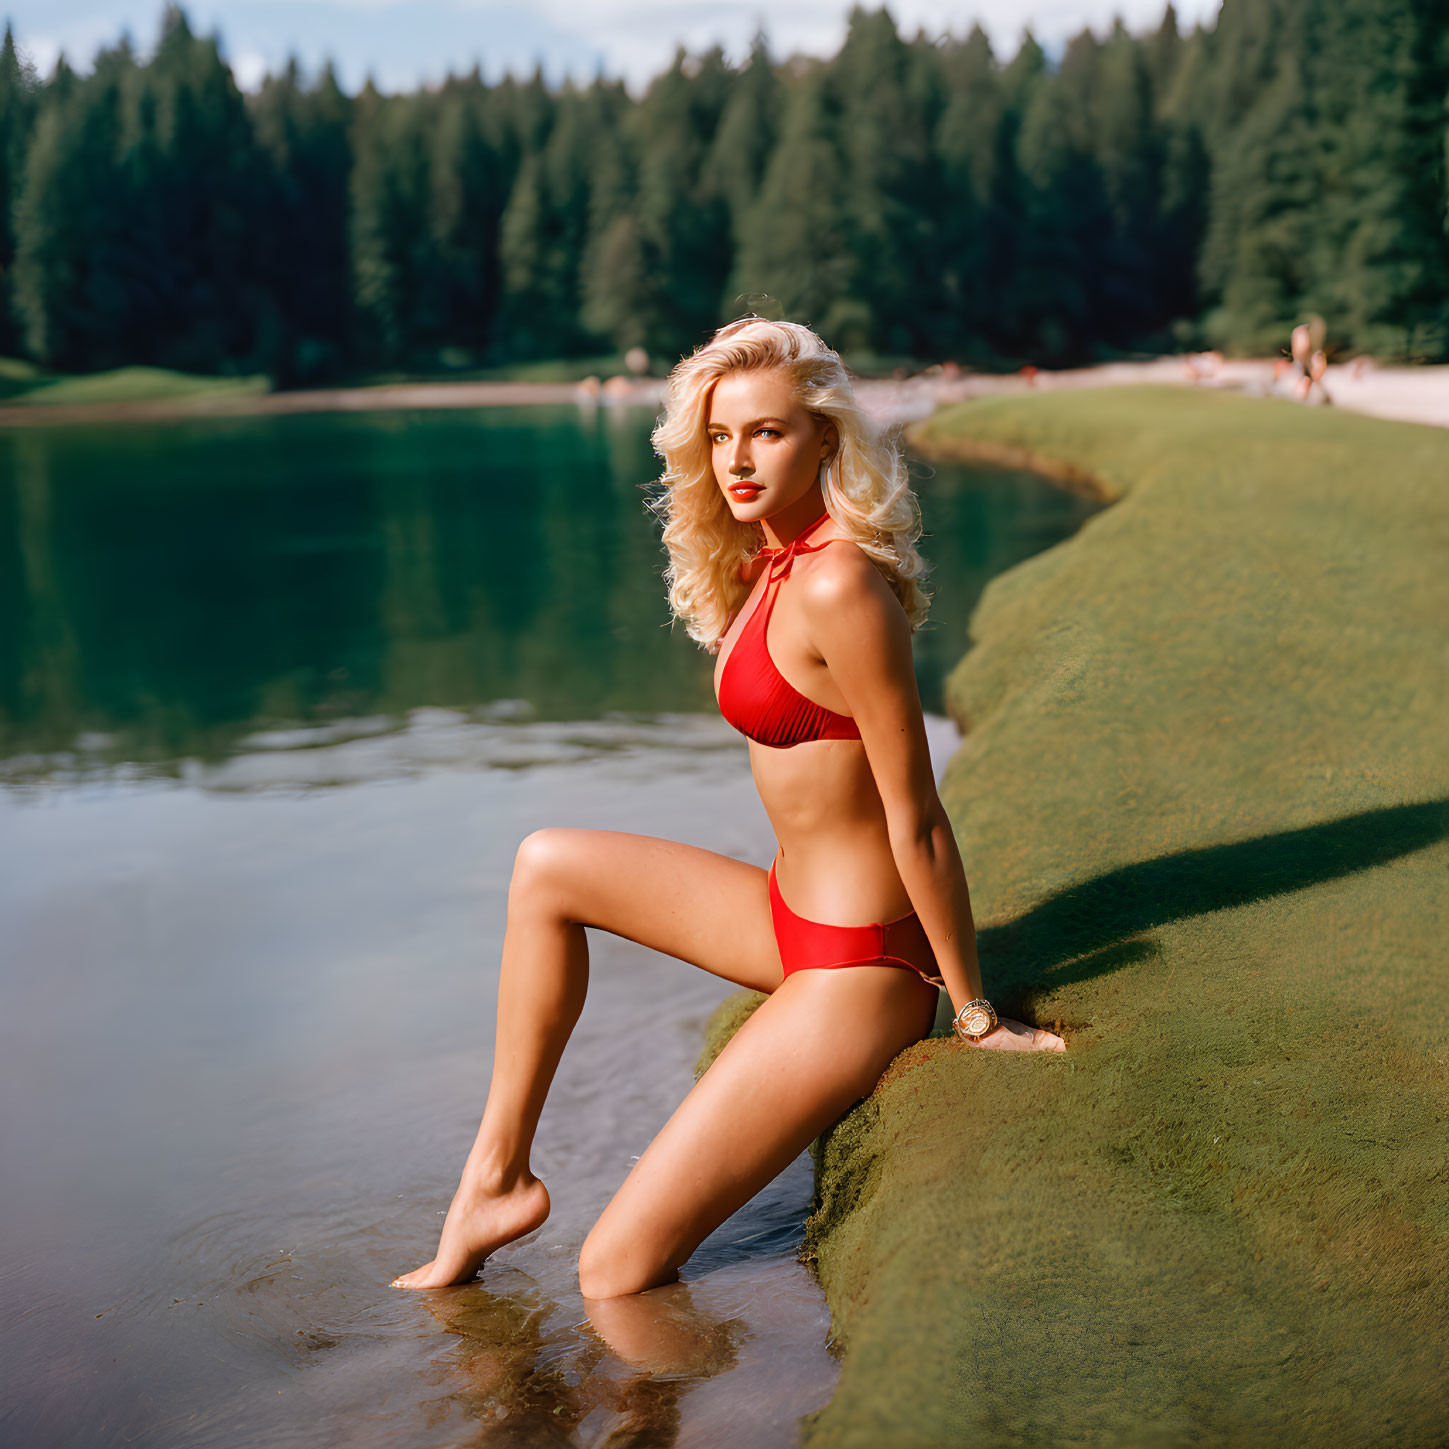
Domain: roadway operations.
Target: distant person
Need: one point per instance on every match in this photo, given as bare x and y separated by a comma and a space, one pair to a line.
863, 915
1302, 378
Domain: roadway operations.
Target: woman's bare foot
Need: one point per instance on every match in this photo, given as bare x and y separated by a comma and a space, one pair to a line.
482, 1218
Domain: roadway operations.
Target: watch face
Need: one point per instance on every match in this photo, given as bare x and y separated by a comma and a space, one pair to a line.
973, 1022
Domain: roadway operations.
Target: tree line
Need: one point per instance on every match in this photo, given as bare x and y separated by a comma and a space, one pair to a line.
913, 197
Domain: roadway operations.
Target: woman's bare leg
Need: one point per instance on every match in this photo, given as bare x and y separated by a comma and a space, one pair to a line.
704, 908
811, 1051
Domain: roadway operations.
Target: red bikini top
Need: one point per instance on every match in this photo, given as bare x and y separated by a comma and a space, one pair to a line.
753, 695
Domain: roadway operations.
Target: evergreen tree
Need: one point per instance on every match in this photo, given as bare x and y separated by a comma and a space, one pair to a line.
1182, 217
1126, 145
616, 282
75, 264
1064, 224
62, 83
1079, 80
683, 218
543, 233
1256, 253
798, 247
464, 208
196, 181
19, 101
389, 204
973, 234
619, 288
662, 245
1164, 50
1178, 88
1026, 70
1244, 51
881, 119
749, 130
1012, 314
528, 110
303, 230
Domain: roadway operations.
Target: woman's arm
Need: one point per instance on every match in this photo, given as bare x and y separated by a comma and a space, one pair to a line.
863, 635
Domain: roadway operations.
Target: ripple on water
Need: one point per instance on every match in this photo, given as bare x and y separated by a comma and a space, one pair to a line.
318, 1341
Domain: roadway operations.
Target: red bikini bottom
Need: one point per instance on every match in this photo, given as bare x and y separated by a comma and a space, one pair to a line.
807, 945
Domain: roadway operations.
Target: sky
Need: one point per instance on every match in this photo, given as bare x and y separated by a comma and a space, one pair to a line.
403, 44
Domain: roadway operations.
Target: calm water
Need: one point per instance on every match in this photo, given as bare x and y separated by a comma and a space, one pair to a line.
278, 699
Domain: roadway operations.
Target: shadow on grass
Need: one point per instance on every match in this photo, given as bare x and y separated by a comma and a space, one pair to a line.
1096, 927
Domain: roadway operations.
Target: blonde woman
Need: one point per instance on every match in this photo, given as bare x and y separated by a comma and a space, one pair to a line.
791, 534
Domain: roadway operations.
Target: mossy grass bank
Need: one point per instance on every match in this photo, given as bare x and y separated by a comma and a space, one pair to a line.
1203, 800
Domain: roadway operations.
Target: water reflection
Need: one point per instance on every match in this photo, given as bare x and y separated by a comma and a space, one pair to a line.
172, 586
166, 591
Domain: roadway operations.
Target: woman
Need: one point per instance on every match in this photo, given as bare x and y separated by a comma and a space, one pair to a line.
863, 915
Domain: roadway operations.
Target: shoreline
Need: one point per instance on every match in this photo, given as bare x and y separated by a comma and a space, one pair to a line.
384, 397
1406, 394
1001, 455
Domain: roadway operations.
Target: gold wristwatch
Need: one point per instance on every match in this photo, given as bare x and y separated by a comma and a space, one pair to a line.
975, 1019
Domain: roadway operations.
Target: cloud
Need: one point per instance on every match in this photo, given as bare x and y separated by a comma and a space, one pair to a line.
637, 38
404, 43
249, 69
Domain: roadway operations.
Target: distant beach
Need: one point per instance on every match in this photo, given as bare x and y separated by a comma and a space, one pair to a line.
1407, 394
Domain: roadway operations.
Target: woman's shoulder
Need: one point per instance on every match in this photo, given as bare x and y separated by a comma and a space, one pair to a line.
843, 573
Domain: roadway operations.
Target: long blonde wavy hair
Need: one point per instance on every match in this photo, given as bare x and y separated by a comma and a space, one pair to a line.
865, 485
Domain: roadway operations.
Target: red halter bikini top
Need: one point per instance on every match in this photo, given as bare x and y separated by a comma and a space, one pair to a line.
753, 695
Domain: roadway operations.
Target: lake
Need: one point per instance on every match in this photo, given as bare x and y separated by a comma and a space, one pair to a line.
278, 699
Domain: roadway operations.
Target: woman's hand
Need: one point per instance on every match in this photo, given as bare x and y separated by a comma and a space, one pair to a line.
1012, 1036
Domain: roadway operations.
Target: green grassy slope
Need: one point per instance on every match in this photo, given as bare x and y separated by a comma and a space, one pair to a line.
1202, 802
23, 382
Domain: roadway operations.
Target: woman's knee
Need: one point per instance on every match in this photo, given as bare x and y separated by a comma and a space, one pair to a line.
539, 864
610, 1269
596, 1276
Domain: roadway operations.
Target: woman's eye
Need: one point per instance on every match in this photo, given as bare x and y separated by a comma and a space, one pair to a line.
769, 430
